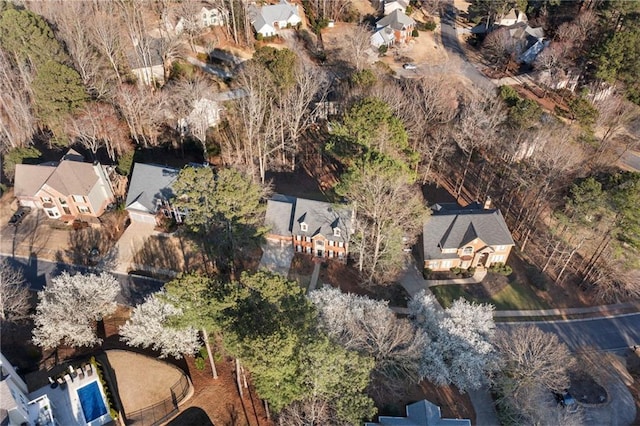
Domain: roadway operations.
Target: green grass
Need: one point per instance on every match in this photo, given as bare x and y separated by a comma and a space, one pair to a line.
514, 296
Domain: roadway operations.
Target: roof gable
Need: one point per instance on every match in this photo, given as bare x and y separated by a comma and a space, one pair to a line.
29, 179
396, 20
150, 183
453, 229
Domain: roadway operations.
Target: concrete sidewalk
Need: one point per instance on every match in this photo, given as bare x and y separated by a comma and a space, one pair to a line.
604, 310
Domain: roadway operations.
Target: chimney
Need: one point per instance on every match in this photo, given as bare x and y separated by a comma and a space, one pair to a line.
487, 203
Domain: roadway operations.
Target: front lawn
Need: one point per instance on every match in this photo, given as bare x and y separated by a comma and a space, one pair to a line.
507, 296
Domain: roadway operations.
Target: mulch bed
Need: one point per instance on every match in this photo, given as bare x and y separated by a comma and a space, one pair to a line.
586, 390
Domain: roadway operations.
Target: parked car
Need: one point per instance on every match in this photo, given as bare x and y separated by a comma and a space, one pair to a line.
409, 66
566, 400
19, 215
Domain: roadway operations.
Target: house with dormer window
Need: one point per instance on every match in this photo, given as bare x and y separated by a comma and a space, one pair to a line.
474, 236
268, 20
317, 228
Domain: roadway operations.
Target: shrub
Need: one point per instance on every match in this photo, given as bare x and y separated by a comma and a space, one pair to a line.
18, 156
415, 33
468, 272
426, 273
365, 78
500, 268
455, 270
383, 49
125, 162
200, 364
429, 26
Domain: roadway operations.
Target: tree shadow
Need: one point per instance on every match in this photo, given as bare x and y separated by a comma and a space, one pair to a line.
192, 416
90, 246
164, 253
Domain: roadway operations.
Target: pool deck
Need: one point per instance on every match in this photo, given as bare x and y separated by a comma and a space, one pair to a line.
65, 403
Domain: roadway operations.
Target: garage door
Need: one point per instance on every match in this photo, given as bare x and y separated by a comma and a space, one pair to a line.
141, 217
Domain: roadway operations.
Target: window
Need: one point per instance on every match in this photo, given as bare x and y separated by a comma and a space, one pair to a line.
330, 253
63, 201
501, 248
332, 243
54, 213
303, 227
298, 248
498, 258
46, 199
84, 209
433, 265
336, 232
447, 264
298, 238
78, 198
308, 249
467, 251
340, 244
340, 255
307, 239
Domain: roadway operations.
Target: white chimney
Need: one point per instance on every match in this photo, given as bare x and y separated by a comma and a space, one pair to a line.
487, 203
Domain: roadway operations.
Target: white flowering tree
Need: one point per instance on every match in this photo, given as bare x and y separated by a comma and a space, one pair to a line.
150, 327
460, 350
69, 307
369, 326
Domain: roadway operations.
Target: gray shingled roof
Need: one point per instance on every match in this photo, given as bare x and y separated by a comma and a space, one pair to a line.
279, 216
450, 228
267, 15
396, 20
285, 214
420, 413
150, 183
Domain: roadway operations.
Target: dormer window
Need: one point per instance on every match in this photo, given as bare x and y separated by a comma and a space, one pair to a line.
303, 227
336, 232
467, 251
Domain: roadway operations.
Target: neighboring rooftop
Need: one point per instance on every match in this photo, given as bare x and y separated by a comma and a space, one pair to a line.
149, 184
421, 413
396, 20
267, 15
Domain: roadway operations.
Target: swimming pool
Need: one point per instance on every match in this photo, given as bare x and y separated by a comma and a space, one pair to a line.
92, 402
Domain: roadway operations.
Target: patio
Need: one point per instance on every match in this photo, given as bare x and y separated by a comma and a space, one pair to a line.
65, 402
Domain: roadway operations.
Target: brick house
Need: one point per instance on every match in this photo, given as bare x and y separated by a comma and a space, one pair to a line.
395, 28
314, 227
66, 190
464, 237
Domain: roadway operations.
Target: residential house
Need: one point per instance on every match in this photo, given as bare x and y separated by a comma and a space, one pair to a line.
149, 71
512, 17
421, 413
205, 114
150, 193
391, 5
315, 227
206, 16
66, 190
16, 407
268, 20
464, 237
393, 29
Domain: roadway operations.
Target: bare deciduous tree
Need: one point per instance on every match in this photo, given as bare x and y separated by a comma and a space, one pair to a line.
615, 113
356, 46
17, 122
502, 49
97, 125
14, 294
533, 363
143, 112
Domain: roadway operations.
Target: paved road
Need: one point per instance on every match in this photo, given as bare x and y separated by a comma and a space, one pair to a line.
631, 159
611, 334
451, 42
37, 272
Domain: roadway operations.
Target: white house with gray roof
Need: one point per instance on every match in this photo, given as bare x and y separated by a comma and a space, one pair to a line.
150, 192
268, 20
317, 228
465, 237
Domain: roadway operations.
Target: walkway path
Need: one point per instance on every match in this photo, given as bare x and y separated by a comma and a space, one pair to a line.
314, 277
413, 282
477, 277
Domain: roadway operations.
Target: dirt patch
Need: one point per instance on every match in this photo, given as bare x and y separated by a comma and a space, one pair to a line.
423, 49
586, 390
142, 381
219, 398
